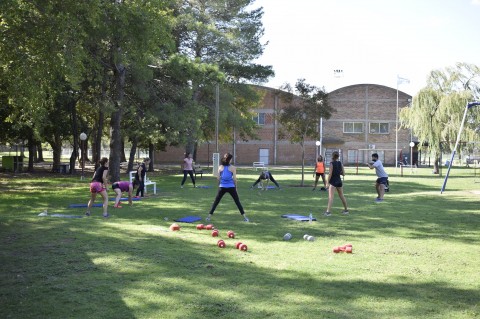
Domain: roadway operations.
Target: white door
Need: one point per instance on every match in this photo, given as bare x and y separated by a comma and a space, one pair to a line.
264, 155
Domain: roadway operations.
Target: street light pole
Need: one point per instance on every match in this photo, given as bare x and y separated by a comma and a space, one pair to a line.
83, 137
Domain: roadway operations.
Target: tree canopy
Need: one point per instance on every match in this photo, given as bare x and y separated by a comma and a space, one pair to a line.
124, 71
437, 110
300, 118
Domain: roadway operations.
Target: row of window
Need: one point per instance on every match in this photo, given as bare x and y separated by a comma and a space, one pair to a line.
348, 127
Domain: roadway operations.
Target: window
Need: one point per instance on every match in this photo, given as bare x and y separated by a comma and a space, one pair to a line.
259, 118
352, 156
379, 128
352, 127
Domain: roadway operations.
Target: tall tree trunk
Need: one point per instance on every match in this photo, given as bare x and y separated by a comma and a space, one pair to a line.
151, 150
74, 156
133, 151
31, 151
115, 128
57, 152
39, 150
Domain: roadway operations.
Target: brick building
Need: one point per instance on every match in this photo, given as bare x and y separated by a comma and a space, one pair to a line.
364, 121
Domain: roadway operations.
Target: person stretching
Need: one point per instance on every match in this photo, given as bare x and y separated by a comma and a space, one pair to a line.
118, 188
264, 176
99, 186
319, 171
227, 177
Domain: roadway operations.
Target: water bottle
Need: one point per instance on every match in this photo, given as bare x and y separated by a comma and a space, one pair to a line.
310, 218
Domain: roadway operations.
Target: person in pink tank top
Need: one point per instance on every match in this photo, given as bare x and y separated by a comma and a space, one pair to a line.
187, 169
120, 187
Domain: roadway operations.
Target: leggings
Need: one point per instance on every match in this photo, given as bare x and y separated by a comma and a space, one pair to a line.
141, 187
233, 192
185, 172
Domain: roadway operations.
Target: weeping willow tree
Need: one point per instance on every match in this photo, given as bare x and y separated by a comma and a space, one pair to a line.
436, 111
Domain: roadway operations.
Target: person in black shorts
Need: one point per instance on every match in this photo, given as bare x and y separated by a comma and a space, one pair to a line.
334, 181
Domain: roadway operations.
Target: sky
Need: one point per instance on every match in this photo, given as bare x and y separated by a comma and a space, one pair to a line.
371, 41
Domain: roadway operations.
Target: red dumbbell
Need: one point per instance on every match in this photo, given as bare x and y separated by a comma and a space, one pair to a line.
230, 234
200, 226
221, 243
215, 233
243, 247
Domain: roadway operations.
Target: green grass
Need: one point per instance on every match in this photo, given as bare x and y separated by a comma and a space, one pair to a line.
415, 255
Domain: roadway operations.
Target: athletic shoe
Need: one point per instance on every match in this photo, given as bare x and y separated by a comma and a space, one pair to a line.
87, 214
245, 219
181, 186
345, 212
323, 189
327, 214
313, 189
207, 219
118, 206
378, 200
106, 215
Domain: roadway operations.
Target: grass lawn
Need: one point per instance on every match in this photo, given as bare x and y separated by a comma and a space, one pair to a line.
416, 255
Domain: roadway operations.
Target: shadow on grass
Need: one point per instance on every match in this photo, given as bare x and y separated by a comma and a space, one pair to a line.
84, 268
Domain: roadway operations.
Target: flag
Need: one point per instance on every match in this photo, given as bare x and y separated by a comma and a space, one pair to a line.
401, 80
472, 104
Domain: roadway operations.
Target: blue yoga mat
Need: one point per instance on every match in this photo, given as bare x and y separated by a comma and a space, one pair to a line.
84, 205
270, 187
204, 186
188, 219
126, 198
298, 217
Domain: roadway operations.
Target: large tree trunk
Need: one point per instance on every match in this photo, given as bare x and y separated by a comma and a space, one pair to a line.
115, 128
39, 151
133, 151
31, 152
151, 150
74, 156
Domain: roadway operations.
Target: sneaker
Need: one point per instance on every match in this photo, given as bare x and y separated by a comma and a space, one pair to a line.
181, 186
378, 200
323, 189
313, 189
345, 212
245, 219
327, 214
87, 214
207, 219
118, 206
106, 215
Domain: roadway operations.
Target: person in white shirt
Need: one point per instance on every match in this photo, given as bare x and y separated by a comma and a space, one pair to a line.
382, 177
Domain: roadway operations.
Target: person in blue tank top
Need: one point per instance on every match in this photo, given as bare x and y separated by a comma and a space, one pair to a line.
227, 177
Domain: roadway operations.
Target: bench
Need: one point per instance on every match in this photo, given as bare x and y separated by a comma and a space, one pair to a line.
147, 181
62, 168
258, 165
197, 169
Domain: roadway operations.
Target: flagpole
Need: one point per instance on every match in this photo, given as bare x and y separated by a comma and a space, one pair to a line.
399, 81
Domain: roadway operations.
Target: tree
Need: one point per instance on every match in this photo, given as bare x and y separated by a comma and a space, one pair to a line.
437, 110
224, 34
306, 105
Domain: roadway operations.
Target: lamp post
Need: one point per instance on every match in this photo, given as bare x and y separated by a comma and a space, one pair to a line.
411, 156
318, 143
83, 137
